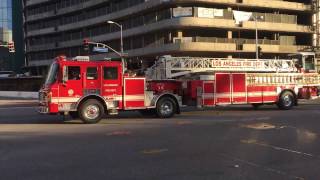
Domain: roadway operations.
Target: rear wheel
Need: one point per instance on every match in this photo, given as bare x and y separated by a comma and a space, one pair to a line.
286, 101
166, 107
91, 111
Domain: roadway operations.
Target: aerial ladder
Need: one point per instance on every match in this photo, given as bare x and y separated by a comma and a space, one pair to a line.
259, 71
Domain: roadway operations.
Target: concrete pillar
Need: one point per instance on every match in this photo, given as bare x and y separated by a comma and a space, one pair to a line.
276, 36
229, 34
179, 34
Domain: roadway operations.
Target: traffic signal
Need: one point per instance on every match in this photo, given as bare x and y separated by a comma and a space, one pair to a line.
11, 47
86, 44
259, 51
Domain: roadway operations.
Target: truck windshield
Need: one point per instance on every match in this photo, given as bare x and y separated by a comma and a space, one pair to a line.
310, 63
53, 74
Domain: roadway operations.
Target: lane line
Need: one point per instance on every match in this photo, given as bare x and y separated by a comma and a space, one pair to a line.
154, 151
254, 142
264, 168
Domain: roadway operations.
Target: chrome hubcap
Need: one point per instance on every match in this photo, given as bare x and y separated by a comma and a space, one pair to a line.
92, 112
287, 100
166, 108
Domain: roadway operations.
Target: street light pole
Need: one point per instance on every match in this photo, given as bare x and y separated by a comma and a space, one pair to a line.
256, 26
255, 22
121, 44
121, 33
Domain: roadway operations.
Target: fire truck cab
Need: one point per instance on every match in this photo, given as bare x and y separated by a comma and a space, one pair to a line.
90, 89
306, 61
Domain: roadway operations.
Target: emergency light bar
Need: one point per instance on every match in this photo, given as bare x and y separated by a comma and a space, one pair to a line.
81, 58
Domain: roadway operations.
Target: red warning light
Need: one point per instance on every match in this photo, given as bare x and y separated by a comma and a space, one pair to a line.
11, 47
86, 44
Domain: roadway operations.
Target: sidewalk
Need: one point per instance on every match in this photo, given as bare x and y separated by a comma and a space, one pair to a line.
309, 101
14, 102
18, 95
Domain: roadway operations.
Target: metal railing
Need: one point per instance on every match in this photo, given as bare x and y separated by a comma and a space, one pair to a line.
171, 67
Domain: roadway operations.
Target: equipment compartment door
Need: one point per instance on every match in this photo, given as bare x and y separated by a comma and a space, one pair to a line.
270, 94
134, 93
223, 88
239, 89
208, 93
255, 94
112, 85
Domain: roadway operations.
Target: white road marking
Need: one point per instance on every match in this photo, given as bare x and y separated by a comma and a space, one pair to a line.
276, 171
277, 148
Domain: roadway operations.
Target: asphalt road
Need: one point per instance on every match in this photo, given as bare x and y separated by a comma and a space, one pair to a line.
226, 143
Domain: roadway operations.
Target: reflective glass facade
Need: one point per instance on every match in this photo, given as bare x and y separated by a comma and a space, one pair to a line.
6, 14
5, 33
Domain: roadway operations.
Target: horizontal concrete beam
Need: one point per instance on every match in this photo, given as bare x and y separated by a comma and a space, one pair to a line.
189, 22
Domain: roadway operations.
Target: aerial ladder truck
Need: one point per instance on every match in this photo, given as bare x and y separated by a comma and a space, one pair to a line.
89, 89
221, 81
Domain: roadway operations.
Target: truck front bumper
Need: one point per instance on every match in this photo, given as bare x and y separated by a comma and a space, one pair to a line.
43, 110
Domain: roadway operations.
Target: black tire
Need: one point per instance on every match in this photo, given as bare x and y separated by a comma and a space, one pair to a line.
91, 111
166, 107
286, 101
148, 112
74, 114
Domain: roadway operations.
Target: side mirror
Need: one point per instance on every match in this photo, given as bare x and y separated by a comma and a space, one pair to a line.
125, 65
64, 75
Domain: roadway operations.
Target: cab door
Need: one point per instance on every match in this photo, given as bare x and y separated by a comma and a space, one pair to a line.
92, 81
112, 89
70, 91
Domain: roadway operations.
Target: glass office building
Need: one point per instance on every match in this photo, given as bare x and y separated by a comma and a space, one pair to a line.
153, 28
5, 32
5, 20
6, 14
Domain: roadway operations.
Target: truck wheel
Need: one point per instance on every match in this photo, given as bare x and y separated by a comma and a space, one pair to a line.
166, 107
286, 101
91, 111
74, 114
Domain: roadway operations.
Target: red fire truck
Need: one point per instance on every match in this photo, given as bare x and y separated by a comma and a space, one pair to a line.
90, 89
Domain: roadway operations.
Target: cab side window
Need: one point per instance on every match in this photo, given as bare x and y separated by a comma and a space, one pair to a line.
92, 73
309, 63
110, 73
73, 73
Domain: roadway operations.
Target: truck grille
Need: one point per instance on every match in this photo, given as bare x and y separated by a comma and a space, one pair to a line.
43, 98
